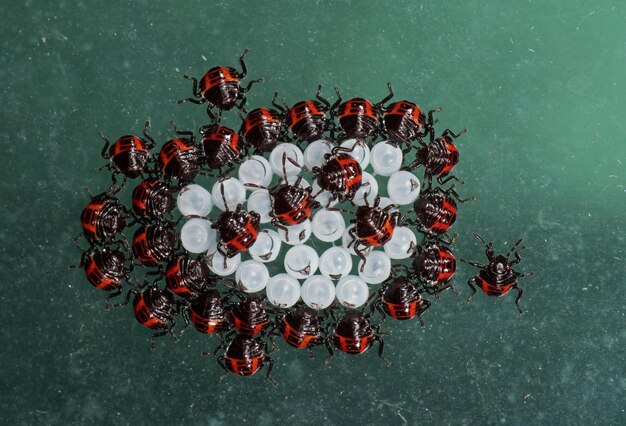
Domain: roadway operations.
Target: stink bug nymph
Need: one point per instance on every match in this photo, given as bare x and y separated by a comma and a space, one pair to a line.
497, 278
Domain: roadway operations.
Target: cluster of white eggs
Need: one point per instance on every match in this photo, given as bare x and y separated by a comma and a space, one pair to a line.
325, 276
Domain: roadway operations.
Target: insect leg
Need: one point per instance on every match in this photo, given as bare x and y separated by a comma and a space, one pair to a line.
469, 283
519, 296
244, 69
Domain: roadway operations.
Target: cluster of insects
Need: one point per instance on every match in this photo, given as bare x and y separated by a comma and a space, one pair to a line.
179, 262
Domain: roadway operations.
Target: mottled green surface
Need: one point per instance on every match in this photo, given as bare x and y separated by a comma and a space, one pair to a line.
540, 85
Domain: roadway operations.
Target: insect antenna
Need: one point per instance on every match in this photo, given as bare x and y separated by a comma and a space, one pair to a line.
517, 243
223, 195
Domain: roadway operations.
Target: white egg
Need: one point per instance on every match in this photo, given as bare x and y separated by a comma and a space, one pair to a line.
296, 234
283, 291
314, 153
403, 187
369, 188
266, 248
259, 201
352, 291
196, 235
318, 292
360, 151
301, 261
252, 276
402, 243
215, 261
256, 170
293, 152
194, 200
335, 263
325, 198
328, 225
386, 158
233, 191
376, 268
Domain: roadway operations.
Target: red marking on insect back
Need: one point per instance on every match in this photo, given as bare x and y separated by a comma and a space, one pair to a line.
451, 160
89, 217
216, 76
144, 315
382, 236
142, 250
245, 238
353, 346
357, 106
445, 219
493, 289
97, 278
244, 367
401, 311
297, 339
174, 278
447, 264
127, 144
207, 325
248, 329
303, 110
259, 117
171, 149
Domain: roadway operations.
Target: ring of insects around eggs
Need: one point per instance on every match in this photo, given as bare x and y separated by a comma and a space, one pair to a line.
261, 259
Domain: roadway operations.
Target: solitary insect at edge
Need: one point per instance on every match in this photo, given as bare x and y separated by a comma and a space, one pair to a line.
497, 278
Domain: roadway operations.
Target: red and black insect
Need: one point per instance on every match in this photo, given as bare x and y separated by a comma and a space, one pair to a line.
291, 203
262, 128
105, 269
180, 158
307, 120
354, 334
434, 266
155, 243
244, 356
438, 157
103, 218
238, 229
129, 155
208, 314
436, 211
188, 277
374, 227
358, 117
221, 147
497, 278
249, 316
221, 87
154, 308
301, 328
341, 174
401, 300
152, 198
405, 121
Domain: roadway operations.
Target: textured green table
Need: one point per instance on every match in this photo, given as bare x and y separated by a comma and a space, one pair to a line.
541, 88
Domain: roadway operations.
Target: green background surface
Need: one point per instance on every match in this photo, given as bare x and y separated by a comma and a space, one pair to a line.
541, 88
